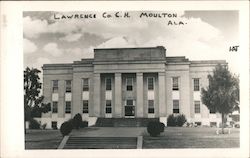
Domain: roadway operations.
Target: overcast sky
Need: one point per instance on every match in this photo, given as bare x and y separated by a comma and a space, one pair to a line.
205, 35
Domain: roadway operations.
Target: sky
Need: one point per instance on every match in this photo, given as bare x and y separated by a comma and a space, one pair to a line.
198, 35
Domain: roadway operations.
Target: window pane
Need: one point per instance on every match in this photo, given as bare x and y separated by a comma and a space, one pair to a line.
176, 106
85, 108
68, 86
198, 123
176, 111
197, 106
68, 107
151, 103
54, 107
108, 107
129, 83
175, 83
108, 83
129, 88
150, 83
196, 84
151, 110
85, 85
55, 86
129, 102
150, 106
108, 103
129, 111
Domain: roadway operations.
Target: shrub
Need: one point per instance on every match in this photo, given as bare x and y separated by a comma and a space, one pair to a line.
178, 120
66, 128
171, 121
84, 124
154, 128
77, 120
34, 124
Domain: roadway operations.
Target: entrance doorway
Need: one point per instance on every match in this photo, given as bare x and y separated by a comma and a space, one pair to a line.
130, 108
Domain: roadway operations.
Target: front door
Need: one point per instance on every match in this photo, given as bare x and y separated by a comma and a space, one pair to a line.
129, 108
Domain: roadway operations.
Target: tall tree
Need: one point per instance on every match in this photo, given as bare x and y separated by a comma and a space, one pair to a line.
222, 94
33, 106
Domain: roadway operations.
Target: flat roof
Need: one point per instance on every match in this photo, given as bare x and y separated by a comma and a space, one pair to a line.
157, 47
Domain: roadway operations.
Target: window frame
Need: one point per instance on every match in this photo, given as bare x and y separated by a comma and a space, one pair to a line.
198, 123
53, 108
67, 110
175, 85
129, 104
196, 87
197, 107
106, 85
55, 88
85, 87
68, 89
151, 107
148, 85
85, 108
176, 110
108, 107
127, 85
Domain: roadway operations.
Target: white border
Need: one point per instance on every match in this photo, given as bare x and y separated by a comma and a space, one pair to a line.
12, 135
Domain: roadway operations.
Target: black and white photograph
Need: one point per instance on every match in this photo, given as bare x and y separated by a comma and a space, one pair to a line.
133, 79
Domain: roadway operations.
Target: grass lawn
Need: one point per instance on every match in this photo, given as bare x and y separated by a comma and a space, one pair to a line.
42, 139
180, 137
172, 137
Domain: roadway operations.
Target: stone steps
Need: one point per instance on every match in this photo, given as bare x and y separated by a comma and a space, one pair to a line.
101, 143
124, 122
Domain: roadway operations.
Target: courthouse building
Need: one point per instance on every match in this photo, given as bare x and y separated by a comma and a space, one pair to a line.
128, 83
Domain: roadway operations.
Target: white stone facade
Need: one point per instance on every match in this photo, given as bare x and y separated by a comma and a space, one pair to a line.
127, 83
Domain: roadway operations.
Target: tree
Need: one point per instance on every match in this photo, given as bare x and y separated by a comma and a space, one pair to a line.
222, 94
33, 106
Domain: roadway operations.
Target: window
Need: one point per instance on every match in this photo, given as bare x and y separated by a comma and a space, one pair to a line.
176, 109
212, 111
150, 83
197, 108
68, 107
175, 84
129, 83
68, 86
55, 86
85, 106
108, 107
213, 124
198, 123
54, 107
129, 102
54, 125
196, 84
150, 106
108, 84
85, 84
129, 108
